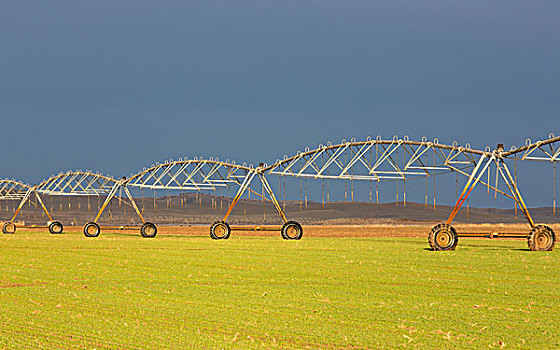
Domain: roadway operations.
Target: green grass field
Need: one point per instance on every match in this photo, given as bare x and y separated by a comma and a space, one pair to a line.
122, 291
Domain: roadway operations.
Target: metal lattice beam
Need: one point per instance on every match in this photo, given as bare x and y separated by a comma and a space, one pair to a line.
547, 150
195, 174
77, 183
376, 160
12, 189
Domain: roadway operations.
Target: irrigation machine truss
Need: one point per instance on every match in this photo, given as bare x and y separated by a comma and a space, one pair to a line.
373, 160
15, 190
377, 160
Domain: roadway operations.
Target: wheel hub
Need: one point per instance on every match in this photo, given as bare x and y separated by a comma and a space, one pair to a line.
220, 230
542, 240
292, 231
444, 238
10, 228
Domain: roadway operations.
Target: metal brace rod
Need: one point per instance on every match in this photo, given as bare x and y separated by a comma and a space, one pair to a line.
43, 205
416, 156
469, 187
239, 193
520, 198
515, 198
177, 173
311, 161
333, 159
483, 183
386, 154
133, 203
107, 200
26, 198
272, 197
366, 147
22, 202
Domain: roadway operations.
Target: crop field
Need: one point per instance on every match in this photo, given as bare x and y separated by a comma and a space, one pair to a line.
174, 291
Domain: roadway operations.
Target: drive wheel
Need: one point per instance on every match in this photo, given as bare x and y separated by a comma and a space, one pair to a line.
220, 230
91, 229
55, 227
443, 237
541, 238
9, 228
291, 230
148, 230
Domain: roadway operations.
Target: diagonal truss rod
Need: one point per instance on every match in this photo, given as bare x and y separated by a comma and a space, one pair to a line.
242, 188
245, 185
111, 195
469, 186
354, 160
76, 183
11, 189
542, 150
26, 197
273, 197
192, 174
515, 191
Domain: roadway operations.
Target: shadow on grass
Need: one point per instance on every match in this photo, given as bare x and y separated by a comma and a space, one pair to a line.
159, 236
475, 248
129, 234
182, 236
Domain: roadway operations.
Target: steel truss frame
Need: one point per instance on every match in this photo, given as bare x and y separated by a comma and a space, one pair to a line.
12, 189
377, 160
70, 183
373, 160
547, 150
196, 174
355, 160
77, 183
199, 174
88, 183
540, 237
245, 185
15, 190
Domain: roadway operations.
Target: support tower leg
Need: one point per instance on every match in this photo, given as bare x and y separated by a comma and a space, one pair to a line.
443, 236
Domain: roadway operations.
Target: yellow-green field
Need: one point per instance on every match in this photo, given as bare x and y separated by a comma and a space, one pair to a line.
122, 291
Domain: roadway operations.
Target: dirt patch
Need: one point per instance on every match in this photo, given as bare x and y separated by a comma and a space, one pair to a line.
8, 284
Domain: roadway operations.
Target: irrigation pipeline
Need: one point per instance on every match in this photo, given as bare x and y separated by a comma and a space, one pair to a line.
397, 159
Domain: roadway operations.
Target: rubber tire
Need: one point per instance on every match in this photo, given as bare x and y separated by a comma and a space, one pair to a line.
537, 232
288, 234
7, 228
439, 229
222, 225
88, 226
148, 230
55, 227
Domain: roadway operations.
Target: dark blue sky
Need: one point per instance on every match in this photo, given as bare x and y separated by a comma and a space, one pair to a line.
117, 85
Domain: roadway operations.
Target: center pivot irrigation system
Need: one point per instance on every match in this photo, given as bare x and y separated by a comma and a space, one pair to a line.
211, 174
79, 183
372, 160
378, 160
11, 189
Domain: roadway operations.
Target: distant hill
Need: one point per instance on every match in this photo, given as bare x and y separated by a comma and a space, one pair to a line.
195, 209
